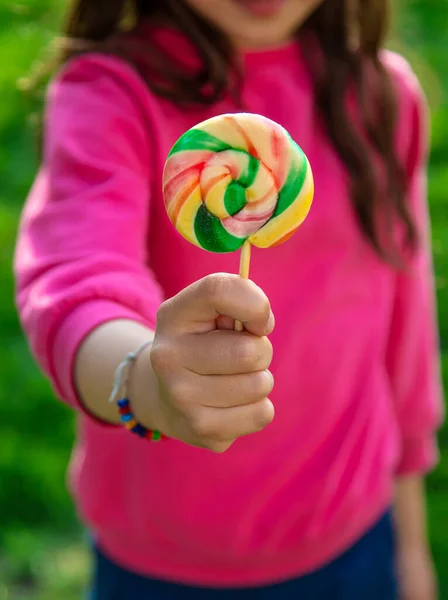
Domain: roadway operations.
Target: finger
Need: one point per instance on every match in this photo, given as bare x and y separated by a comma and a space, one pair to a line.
223, 322
197, 307
227, 424
223, 352
222, 391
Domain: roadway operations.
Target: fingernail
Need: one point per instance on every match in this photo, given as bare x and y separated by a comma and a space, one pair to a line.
271, 323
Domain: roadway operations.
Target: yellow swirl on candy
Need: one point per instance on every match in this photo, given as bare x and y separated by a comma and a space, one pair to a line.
236, 177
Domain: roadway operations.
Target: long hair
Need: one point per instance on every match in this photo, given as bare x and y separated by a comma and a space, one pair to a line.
349, 36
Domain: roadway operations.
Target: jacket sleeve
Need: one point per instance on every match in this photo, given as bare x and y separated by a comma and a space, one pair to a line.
413, 353
81, 253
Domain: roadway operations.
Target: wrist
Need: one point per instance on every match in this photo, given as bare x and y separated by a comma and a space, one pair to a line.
143, 392
410, 515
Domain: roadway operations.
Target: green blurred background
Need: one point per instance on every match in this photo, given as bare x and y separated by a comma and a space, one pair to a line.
42, 554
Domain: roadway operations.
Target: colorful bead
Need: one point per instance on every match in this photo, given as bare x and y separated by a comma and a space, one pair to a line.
132, 425
127, 417
139, 430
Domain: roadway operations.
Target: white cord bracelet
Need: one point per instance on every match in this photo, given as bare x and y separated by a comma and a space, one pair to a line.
120, 396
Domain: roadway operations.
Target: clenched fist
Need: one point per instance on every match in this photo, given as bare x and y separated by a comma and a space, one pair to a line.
214, 382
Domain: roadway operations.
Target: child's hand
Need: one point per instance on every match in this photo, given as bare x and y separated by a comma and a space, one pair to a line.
214, 382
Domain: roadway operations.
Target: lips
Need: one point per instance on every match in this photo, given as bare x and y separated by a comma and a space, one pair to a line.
262, 8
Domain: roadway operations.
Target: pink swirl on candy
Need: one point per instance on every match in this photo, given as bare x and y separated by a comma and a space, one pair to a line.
261, 196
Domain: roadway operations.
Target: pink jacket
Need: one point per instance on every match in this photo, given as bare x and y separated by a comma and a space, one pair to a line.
357, 393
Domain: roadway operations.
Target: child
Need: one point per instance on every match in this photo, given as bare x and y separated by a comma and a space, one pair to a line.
324, 501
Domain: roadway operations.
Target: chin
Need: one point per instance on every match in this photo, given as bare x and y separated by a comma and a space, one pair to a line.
256, 22
264, 36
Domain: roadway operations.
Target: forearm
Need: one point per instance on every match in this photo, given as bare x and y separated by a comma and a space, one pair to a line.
410, 513
97, 360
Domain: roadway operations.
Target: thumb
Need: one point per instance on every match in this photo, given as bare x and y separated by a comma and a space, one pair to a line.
224, 298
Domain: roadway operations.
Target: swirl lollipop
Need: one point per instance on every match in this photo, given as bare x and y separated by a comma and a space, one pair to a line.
236, 180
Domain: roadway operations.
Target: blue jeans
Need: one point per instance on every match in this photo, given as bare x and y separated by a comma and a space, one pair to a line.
365, 572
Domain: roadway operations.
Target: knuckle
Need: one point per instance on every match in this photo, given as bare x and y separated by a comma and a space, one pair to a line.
262, 384
219, 447
245, 353
212, 287
180, 391
161, 357
264, 414
264, 308
163, 314
268, 351
200, 425
252, 353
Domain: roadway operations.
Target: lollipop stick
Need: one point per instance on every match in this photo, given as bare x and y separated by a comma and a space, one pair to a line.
244, 272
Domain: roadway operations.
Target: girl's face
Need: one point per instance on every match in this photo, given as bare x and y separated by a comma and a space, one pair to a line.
256, 23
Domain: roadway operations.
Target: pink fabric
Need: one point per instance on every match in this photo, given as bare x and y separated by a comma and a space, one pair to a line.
357, 391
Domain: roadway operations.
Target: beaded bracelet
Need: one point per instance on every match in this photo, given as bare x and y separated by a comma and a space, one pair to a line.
127, 417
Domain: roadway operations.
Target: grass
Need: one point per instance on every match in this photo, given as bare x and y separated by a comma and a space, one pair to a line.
42, 554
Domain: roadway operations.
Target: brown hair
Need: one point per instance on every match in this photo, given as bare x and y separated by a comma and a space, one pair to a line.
349, 35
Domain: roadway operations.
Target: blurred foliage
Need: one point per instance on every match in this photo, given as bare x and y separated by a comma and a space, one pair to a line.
42, 556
